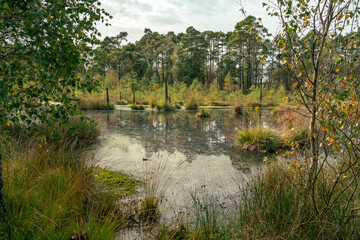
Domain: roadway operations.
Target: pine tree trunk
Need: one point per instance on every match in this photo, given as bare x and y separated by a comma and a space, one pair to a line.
107, 96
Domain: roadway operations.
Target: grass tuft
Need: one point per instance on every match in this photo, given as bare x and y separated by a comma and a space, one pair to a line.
260, 139
137, 107
203, 113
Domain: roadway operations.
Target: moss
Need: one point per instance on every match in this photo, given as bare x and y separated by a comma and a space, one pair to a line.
119, 184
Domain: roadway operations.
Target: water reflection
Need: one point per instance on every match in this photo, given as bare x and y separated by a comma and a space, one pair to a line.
201, 151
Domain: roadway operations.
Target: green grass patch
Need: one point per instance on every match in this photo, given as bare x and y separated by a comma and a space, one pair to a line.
119, 184
52, 192
260, 139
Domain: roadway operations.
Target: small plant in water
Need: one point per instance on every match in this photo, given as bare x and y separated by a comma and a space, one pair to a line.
260, 139
239, 110
203, 113
137, 107
191, 105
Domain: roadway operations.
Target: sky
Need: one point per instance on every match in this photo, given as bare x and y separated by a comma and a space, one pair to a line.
133, 16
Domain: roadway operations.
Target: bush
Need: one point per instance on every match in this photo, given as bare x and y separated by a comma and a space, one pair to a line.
260, 139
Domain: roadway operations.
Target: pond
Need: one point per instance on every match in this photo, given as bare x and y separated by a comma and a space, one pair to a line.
180, 153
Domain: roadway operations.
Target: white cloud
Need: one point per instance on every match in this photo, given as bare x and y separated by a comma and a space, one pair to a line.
133, 16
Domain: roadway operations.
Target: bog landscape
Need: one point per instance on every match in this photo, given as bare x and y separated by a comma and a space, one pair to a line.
241, 134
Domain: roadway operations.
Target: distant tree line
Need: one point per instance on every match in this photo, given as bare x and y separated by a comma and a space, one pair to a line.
248, 56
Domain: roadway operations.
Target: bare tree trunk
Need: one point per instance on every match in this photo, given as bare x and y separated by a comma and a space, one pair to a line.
107, 96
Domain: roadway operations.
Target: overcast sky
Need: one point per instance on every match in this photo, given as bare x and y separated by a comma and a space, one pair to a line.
162, 16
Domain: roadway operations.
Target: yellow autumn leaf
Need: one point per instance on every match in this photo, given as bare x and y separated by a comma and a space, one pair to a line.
257, 109
296, 163
337, 70
8, 123
263, 61
340, 16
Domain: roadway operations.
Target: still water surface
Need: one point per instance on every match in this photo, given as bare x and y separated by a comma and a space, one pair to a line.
187, 154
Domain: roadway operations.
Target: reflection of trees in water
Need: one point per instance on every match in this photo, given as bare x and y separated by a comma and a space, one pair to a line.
244, 160
182, 131
177, 131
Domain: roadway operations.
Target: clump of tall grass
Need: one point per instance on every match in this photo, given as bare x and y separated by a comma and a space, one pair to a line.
94, 105
159, 173
122, 102
278, 207
203, 113
76, 134
220, 103
52, 192
275, 206
260, 139
239, 110
191, 105
137, 107
166, 107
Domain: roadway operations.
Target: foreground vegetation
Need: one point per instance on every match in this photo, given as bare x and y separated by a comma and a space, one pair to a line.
53, 193
274, 207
